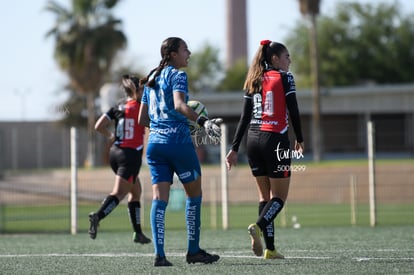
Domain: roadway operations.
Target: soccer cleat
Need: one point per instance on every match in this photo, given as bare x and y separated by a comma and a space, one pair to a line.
202, 257
93, 228
161, 261
272, 254
254, 232
140, 238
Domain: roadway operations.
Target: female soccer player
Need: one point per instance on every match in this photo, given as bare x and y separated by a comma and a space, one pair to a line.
170, 149
268, 102
125, 158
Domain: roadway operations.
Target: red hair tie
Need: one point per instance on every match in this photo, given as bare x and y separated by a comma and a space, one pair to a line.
265, 42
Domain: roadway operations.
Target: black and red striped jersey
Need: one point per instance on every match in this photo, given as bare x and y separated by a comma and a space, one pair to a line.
128, 133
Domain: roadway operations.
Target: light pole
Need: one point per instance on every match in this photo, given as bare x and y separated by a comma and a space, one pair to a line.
310, 9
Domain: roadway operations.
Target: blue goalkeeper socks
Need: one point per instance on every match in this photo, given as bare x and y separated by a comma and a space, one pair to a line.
193, 221
158, 226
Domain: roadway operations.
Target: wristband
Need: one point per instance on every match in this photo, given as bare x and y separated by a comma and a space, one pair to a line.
200, 120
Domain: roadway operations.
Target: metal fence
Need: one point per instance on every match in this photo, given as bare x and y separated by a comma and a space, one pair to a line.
326, 184
31, 196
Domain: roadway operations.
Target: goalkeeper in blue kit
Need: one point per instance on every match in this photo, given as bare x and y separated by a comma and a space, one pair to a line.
170, 148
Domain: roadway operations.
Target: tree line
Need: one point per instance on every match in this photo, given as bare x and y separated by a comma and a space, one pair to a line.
357, 44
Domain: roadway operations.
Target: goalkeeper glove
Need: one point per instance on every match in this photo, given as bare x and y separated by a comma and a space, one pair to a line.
211, 126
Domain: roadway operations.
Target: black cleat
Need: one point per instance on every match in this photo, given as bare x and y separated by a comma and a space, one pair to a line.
141, 238
93, 228
161, 261
202, 257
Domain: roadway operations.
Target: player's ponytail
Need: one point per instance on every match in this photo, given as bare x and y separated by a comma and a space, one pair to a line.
262, 61
150, 79
130, 85
253, 82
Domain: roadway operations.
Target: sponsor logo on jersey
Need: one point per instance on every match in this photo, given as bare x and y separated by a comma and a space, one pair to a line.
259, 121
164, 131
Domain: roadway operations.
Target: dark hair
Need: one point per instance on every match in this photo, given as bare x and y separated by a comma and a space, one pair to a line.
270, 49
169, 45
130, 84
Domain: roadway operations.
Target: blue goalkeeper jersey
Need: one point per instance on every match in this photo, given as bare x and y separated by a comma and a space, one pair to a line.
166, 124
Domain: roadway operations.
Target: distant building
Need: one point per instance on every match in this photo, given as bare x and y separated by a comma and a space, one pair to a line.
344, 112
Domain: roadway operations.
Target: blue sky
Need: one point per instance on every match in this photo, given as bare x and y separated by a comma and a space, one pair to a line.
30, 83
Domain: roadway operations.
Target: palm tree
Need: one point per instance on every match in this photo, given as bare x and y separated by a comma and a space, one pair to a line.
87, 39
310, 8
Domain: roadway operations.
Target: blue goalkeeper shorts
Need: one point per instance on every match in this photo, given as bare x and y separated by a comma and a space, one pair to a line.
166, 159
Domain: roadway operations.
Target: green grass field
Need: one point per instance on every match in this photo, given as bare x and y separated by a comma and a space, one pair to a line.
56, 219
35, 239
325, 243
308, 250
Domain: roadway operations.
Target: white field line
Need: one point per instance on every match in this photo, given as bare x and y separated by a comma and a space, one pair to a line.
225, 255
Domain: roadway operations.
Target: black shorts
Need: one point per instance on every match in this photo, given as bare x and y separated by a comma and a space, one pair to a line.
269, 154
125, 162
